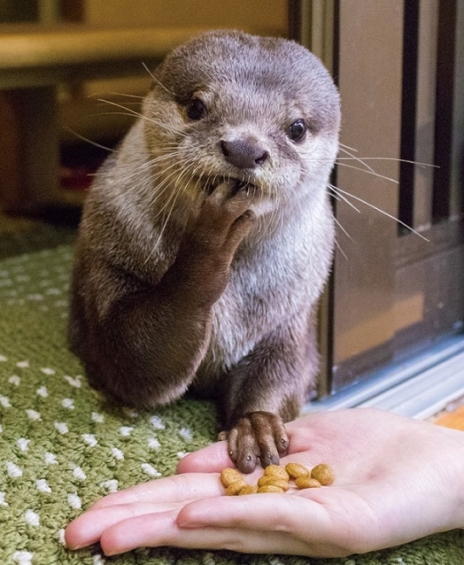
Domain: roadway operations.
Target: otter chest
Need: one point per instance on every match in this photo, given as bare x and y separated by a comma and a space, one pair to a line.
260, 297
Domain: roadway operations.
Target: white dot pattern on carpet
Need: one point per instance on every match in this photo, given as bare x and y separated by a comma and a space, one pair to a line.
61, 446
52, 414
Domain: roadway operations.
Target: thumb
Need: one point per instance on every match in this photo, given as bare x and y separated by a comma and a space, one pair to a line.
210, 459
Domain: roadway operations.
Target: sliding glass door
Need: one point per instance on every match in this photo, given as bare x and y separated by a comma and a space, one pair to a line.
399, 67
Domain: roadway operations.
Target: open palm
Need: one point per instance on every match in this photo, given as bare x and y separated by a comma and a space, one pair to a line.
397, 479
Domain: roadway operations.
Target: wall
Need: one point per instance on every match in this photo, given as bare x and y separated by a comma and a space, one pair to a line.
259, 15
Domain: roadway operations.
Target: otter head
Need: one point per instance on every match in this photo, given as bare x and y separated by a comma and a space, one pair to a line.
261, 111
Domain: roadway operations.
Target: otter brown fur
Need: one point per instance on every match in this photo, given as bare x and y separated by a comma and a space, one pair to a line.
207, 237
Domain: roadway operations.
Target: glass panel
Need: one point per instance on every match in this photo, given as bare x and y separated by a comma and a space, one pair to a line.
370, 79
402, 87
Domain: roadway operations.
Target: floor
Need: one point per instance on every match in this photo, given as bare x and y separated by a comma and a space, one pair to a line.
452, 416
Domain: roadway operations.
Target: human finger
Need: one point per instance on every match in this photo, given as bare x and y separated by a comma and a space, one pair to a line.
270, 511
177, 488
325, 522
89, 526
215, 457
212, 458
154, 530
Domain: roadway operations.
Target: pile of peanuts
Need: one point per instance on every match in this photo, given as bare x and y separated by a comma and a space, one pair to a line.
277, 479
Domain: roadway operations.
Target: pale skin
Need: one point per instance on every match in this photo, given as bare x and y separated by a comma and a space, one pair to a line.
397, 480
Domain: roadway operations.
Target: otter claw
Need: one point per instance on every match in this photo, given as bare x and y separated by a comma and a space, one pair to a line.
258, 437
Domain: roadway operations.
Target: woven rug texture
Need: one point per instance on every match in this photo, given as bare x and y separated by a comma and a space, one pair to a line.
63, 446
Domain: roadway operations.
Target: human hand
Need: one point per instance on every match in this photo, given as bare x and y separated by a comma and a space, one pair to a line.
397, 480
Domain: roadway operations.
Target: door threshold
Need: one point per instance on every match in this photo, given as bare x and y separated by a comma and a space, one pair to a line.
419, 387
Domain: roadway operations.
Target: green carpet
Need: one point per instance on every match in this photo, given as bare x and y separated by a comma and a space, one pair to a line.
62, 446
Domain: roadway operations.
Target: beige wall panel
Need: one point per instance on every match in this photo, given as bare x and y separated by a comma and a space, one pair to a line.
258, 14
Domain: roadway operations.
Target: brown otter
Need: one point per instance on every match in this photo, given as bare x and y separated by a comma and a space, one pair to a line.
207, 237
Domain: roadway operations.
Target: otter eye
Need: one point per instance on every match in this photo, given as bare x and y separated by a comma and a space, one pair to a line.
297, 130
196, 109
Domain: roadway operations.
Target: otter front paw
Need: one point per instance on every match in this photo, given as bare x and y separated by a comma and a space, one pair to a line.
257, 437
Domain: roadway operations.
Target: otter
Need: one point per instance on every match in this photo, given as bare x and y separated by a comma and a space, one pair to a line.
207, 237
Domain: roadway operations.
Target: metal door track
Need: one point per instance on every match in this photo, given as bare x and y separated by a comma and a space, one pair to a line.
417, 388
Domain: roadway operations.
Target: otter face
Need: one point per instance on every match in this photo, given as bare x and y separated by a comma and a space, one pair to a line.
261, 111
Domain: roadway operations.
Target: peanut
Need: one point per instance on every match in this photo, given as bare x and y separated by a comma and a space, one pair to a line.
276, 471
236, 487
273, 481
229, 476
296, 470
305, 481
248, 489
270, 488
323, 473
276, 479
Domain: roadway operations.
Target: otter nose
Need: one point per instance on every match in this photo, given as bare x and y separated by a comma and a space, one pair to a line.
244, 153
